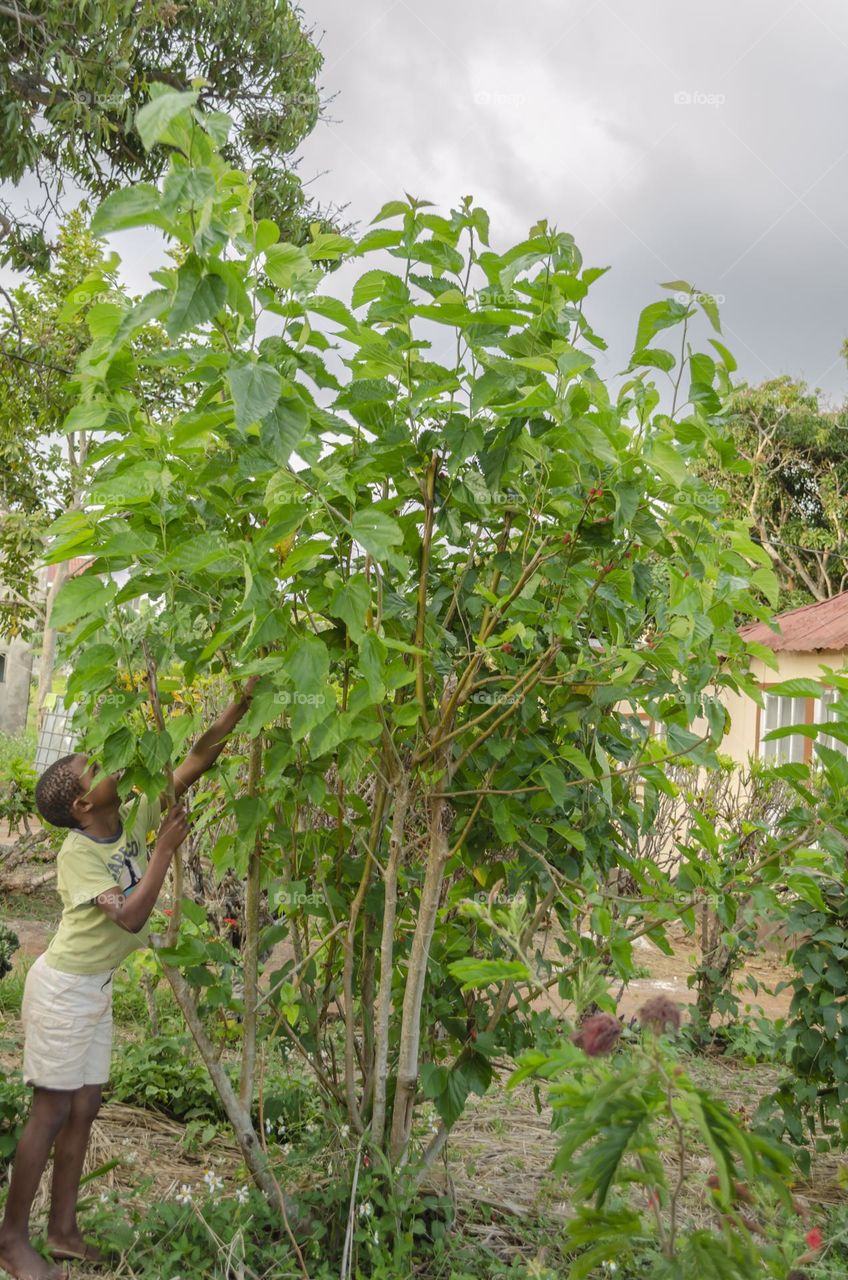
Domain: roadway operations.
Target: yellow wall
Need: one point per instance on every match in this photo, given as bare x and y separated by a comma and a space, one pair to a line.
741, 739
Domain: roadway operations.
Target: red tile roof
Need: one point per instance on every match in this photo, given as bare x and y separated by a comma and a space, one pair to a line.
823, 625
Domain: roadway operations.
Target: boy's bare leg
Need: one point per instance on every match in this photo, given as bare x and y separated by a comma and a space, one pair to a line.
63, 1234
50, 1110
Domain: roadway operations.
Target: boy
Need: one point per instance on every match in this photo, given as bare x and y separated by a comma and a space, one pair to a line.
108, 889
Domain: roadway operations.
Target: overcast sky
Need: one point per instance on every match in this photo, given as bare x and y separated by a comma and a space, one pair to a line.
704, 141
674, 140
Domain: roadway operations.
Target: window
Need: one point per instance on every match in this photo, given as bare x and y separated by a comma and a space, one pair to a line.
2, 667
778, 714
825, 711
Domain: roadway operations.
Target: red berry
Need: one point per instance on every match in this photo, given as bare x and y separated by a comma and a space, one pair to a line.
506, 648
814, 1238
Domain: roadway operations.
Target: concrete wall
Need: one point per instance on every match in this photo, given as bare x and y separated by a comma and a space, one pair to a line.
14, 688
745, 731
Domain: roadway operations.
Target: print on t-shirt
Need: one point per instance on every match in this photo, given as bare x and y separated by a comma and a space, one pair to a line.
123, 865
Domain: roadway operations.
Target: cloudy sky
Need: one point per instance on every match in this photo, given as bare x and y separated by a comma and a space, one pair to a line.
705, 142
674, 140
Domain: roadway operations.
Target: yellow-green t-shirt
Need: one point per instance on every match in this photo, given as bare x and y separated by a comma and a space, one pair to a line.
87, 941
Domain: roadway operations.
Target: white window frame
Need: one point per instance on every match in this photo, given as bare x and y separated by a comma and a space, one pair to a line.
780, 711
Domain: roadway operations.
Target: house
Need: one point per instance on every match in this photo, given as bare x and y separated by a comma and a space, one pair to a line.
809, 639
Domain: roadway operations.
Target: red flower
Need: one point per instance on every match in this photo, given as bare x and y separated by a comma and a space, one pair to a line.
598, 1035
660, 1014
814, 1238
166, 911
230, 920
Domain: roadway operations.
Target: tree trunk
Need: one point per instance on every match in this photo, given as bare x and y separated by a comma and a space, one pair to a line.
251, 940
239, 1116
410, 1032
48, 645
384, 996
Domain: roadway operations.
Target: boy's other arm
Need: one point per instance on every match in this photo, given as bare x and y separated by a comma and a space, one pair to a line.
132, 911
210, 744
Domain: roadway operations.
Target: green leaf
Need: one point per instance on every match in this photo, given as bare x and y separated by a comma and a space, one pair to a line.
798, 687
726, 355
136, 206
153, 119
286, 265
472, 972
350, 602
80, 597
656, 316
581, 762
255, 390
282, 430
372, 664
392, 209
376, 532
199, 297
555, 782
328, 247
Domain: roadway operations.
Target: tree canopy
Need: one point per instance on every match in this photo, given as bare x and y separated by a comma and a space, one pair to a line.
73, 77
794, 496
43, 330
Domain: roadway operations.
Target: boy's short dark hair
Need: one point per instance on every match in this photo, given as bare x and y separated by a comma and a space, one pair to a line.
56, 790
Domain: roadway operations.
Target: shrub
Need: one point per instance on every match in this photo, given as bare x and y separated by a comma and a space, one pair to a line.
14, 1107
8, 946
164, 1075
814, 1040
615, 1114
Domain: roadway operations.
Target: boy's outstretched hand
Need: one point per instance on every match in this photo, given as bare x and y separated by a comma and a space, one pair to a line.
210, 744
173, 830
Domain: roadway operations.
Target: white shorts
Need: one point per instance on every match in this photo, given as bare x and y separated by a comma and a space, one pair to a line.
67, 1020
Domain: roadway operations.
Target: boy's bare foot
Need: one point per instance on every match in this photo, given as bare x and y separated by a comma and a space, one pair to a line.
22, 1262
74, 1247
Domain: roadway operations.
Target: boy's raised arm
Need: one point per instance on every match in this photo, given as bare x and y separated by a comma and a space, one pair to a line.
210, 744
132, 910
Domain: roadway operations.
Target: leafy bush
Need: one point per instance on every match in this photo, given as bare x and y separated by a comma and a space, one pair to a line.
614, 1120
17, 792
164, 1074
9, 944
814, 1040
14, 1107
139, 975
12, 987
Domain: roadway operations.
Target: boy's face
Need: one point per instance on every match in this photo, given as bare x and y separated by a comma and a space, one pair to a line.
99, 790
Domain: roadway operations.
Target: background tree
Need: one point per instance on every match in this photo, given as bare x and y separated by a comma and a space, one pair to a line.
43, 330
72, 79
795, 495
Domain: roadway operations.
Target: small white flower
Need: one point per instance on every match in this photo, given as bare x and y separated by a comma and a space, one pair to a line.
345, 1130
242, 1195
269, 1125
285, 1147
329, 1170
366, 1209
104, 1197
213, 1182
183, 1196
376, 1237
